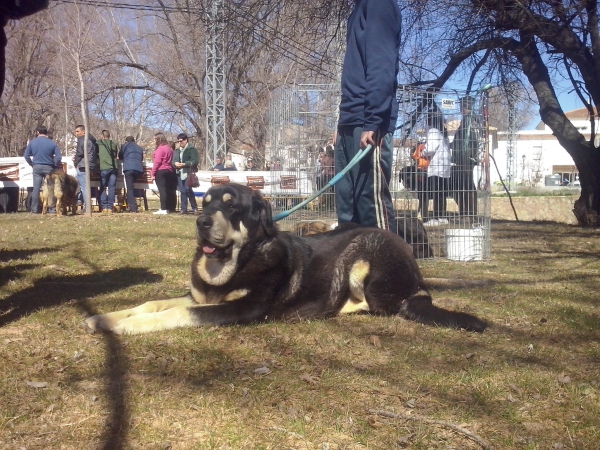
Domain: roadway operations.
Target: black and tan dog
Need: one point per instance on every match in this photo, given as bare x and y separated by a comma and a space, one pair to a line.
245, 270
61, 188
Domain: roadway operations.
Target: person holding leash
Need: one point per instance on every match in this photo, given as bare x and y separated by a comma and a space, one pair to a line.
43, 155
368, 114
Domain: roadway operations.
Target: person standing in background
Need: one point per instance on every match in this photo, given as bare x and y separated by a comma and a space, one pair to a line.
465, 156
43, 155
368, 114
437, 149
164, 175
132, 156
79, 159
107, 154
185, 161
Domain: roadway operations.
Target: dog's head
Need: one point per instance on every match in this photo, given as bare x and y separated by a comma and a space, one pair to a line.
232, 216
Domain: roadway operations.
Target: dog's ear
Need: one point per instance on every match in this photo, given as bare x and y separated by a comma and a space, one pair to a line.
265, 215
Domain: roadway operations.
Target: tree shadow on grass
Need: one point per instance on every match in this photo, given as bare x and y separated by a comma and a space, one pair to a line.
54, 291
14, 271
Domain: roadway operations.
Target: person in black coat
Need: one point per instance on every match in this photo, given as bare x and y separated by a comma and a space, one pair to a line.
132, 157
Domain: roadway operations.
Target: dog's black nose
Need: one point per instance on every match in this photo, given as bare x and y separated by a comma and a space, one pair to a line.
205, 221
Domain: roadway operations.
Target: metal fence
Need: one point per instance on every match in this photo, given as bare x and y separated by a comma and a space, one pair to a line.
440, 186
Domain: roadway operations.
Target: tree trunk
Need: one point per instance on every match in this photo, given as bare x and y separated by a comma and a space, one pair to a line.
88, 188
585, 156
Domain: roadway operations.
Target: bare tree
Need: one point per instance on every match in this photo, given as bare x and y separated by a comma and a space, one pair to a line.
29, 99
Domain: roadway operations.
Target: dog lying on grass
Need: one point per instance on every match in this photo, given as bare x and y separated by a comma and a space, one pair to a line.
62, 188
245, 271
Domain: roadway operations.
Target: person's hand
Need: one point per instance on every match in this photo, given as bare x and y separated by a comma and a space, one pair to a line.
367, 139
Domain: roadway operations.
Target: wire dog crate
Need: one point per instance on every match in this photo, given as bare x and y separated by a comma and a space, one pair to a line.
440, 186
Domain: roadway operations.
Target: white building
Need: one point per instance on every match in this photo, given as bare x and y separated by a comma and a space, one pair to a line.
538, 159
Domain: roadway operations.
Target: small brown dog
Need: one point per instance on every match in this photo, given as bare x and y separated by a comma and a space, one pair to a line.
308, 228
62, 187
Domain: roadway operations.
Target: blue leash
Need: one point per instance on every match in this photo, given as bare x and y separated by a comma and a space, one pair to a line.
360, 155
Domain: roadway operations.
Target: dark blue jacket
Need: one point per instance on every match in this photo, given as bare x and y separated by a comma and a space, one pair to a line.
132, 156
44, 151
369, 74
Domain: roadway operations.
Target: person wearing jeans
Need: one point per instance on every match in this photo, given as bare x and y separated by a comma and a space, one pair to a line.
43, 155
185, 160
107, 152
79, 159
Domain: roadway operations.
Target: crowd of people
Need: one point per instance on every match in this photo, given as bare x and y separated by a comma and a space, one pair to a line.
368, 114
443, 169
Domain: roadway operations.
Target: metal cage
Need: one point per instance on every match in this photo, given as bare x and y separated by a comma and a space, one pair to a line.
442, 213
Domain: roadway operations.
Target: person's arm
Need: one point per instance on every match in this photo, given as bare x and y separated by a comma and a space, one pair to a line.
78, 155
57, 156
434, 140
193, 157
28, 154
381, 38
158, 157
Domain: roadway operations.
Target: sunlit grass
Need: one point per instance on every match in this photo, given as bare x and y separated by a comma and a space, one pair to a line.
530, 381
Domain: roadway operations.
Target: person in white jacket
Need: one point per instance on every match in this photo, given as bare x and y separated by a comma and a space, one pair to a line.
438, 172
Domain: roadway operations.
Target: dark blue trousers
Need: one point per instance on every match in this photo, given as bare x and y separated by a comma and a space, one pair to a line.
363, 195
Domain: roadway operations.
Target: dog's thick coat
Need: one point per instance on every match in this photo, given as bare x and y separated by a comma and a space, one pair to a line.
62, 187
245, 270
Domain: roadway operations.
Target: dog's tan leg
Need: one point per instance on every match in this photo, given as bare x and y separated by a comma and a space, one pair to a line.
59, 205
108, 321
176, 317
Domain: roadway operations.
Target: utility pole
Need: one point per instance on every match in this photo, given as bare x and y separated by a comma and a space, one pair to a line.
216, 141
512, 96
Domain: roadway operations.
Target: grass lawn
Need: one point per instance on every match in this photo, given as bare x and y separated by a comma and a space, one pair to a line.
357, 382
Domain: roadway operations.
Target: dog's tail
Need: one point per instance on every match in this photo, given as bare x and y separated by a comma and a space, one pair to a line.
420, 308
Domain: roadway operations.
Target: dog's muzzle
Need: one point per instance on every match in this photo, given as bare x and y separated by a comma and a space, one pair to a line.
210, 237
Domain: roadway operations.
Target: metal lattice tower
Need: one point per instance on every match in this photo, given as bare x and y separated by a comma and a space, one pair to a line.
512, 97
216, 141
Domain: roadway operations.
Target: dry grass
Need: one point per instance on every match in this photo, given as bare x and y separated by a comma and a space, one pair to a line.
529, 382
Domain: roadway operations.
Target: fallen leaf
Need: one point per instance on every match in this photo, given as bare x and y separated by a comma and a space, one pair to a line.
375, 423
309, 378
563, 379
37, 384
516, 389
411, 403
533, 426
375, 341
469, 355
405, 440
262, 371
163, 363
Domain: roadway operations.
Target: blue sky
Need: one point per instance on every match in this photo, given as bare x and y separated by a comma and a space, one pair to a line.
568, 100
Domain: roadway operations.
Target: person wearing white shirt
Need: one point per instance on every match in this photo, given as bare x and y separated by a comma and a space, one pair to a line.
438, 172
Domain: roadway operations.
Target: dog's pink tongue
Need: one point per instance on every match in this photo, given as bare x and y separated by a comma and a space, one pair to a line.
208, 249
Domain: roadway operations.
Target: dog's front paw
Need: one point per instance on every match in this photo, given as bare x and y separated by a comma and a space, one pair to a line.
100, 322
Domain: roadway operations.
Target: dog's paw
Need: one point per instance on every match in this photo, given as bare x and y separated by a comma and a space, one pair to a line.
100, 322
